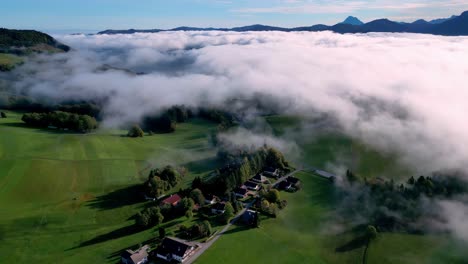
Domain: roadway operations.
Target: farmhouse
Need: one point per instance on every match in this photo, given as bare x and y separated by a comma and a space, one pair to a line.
174, 249
249, 217
240, 192
272, 172
252, 186
211, 199
171, 200
218, 208
258, 178
325, 174
285, 185
135, 257
293, 180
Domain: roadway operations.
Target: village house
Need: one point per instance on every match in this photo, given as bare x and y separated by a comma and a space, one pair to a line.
171, 200
285, 185
249, 217
325, 174
218, 208
293, 180
211, 199
272, 172
252, 186
258, 178
240, 192
135, 257
174, 249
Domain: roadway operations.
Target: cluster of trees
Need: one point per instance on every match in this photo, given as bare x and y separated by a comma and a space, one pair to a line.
161, 180
81, 108
199, 230
241, 165
16, 102
270, 202
224, 119
166, 122
149, 217
396, 207
62, 120
183, 208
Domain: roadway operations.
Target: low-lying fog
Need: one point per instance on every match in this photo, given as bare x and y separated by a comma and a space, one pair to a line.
401, 93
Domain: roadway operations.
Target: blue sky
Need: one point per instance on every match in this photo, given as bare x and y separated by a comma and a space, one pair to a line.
92, 15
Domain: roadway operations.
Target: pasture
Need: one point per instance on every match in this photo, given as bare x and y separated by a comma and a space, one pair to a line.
70, 198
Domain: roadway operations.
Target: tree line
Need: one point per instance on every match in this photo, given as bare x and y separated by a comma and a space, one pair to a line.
397, 207
239, 166
61, 120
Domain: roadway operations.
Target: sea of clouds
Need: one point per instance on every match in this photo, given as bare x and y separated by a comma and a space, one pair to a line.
400, 93
397, 92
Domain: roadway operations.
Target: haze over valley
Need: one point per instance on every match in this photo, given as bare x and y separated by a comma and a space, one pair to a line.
341, 144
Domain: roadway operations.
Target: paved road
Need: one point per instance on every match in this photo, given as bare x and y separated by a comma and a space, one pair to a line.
208, 244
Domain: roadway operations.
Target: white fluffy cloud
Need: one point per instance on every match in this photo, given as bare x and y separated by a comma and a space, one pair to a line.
398, 92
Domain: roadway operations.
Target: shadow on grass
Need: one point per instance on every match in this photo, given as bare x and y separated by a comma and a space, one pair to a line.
118, 198
203, 165
42, 129
237, 228
116, 234
356, 243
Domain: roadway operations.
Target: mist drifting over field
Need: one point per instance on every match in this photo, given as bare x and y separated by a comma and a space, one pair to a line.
400, 93
397, 92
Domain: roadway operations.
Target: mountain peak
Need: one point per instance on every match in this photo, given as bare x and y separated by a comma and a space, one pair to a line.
352, 21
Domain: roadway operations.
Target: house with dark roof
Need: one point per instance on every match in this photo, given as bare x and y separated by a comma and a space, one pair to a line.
285, 185
258, 178
174, 249
249, 217
218, 208
240, 192
293, 180
272, 172
211, 199
171, 200
252, 186
135, 257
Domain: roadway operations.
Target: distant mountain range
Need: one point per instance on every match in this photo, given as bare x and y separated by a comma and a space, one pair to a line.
352, 21
452, 26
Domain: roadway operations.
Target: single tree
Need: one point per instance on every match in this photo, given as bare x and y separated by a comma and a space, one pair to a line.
135, 131
3, 115
162, 232
371, 232
142, 220
228, 213
197, 197
257, 220
273, 196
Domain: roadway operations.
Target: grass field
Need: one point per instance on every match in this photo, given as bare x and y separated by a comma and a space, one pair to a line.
298, 235
64, 198
8, 61
330, 149
68, 198
304, 231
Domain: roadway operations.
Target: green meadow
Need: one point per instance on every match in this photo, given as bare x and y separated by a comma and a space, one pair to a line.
9, 61
70, 198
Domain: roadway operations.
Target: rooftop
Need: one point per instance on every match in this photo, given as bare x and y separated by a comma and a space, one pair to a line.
175, 198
